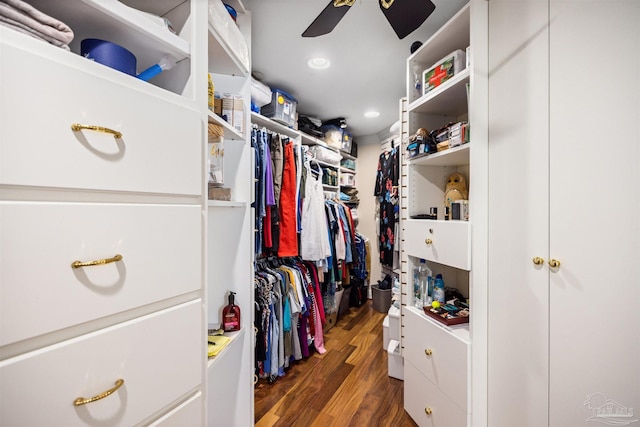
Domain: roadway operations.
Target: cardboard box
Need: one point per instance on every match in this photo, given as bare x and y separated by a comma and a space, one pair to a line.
238, 114
227, 109
219, 193
331, 319
217, 106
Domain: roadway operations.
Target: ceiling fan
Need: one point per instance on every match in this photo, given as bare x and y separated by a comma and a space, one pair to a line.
405, 16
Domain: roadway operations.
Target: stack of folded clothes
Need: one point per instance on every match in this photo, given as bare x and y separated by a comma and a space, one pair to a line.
349, 195
25, 18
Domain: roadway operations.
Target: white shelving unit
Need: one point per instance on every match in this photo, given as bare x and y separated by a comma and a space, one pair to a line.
230, 264
437, 357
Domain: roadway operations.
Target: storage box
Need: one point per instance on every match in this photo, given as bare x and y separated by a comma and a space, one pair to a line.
394, 323
381, 299
443, 70
354, 149
395, 361
219, 193
385, 333
331, 319
347, 179
347, 139
282, 108
344, 302
238, 114
227, 108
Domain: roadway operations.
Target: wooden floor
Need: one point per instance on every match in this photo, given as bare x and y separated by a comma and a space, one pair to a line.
346, 386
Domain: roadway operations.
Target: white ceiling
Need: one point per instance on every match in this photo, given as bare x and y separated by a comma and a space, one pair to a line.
368, 61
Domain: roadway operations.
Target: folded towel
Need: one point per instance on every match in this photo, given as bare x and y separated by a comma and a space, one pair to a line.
25, 18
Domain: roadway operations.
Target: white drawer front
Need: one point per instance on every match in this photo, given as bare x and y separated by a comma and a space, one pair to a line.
189, 413
160, 148
444, 242
39, 290
420, 394
159, 357
446, 365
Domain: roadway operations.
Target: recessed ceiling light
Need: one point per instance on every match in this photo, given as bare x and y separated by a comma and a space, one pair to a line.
371, 114
319, 63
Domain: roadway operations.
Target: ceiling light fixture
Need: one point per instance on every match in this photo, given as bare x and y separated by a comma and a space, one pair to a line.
371, 114
319, 63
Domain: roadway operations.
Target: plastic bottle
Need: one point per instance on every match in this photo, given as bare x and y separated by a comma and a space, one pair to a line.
438, 289
166, 63
420, 285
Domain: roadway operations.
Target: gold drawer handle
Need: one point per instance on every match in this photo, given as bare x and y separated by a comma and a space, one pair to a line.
77, 127
428, 352
538, 261
428, 241
255, 379
428, 410
554, 263
83, 401
78, 264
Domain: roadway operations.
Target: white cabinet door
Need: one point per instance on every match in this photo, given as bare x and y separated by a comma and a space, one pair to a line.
594, 211
518, 212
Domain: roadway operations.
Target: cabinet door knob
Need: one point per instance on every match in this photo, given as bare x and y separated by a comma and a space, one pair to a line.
83, 401
78, 264
77, 126
428, 241
428, 352
554, 263
428, 410
538, 261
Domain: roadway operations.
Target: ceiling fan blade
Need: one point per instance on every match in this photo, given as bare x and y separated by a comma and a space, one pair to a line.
326, 21
405, 16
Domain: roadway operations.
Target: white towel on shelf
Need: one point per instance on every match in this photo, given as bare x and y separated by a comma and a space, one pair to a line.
25, 18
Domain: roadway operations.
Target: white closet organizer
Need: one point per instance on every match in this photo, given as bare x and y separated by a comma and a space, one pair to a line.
230, 238
437, 356
304, 139
102, 224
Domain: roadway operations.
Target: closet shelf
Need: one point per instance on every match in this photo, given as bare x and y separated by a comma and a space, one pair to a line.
347, 170
347, 156
310, 140
460, 331
456, 156
266, 122
235, 338
454, 103
225, 204
230, 133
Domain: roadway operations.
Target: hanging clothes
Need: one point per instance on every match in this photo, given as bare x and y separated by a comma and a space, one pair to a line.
386, 188
314, 244
288, 205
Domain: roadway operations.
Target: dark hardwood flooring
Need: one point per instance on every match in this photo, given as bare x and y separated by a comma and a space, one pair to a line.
346, 386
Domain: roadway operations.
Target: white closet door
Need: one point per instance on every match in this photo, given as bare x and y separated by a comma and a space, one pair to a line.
518, 213
594, 209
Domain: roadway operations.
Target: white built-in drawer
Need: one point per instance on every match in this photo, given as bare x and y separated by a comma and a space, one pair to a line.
189, 413
40, 292
160, 147
158, 356
420, 396
439, 354
444, 242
